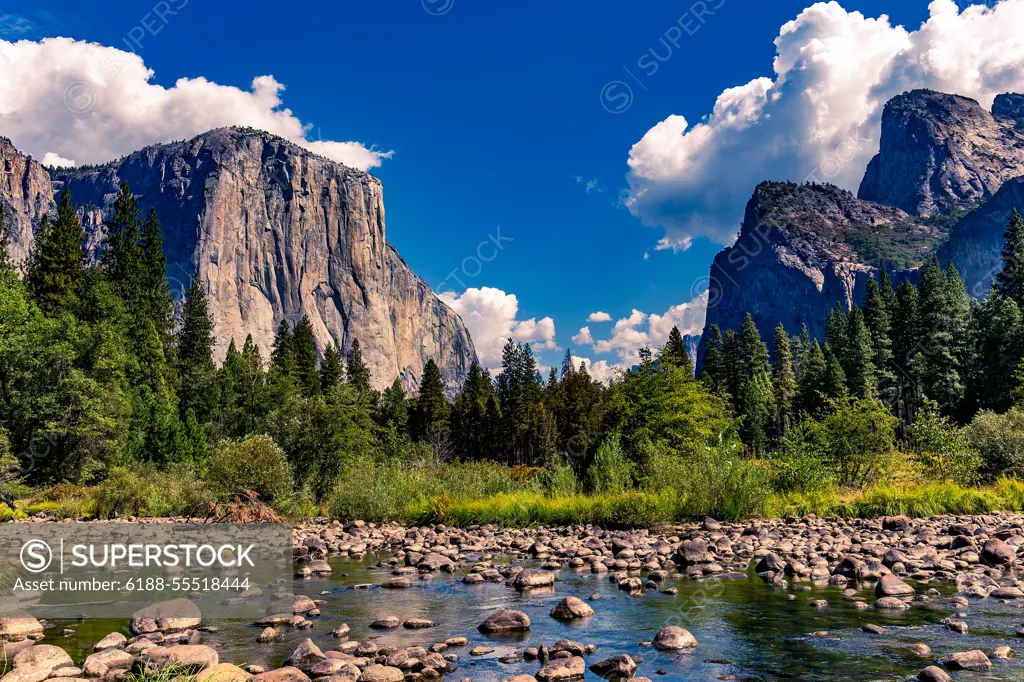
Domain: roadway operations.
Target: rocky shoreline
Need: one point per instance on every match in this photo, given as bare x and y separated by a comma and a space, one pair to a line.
897, 558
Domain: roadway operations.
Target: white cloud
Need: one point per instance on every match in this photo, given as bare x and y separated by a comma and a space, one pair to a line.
630, 334
490, 316
77, 100
57, 161
599, 316
818, 118
600, 370
584, 338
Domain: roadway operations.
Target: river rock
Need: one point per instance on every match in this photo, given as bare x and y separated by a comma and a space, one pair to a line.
933, 673
616, 667
305, 656
386, 623
194, 657
114, 639
37, 662
975, 661
995, 552
172, 615
532, 577
100, 663
891, 586
508, 620
286, 674
572, 608
268, 635
674, 638
225, 672
381, 673
561, 669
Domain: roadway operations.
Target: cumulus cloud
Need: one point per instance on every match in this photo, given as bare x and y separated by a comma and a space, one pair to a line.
640, 330
818, 117
490, 316
584, 338
67, 99
599, 316
600, 370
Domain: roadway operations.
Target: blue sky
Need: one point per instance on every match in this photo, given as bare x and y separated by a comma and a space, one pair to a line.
494, 113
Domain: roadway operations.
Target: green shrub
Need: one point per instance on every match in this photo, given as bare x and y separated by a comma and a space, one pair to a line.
942, 449
559, 481
999, 440
371, 492
611, 471
802, 465
125, 492
720, 482
256, 463
181, 490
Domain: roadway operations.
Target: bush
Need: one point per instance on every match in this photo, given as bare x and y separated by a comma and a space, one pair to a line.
181, 491
999, 440
559, 481
256, 463
802, 466
125, 492
719, 482
610, 472
371, 492
942, 449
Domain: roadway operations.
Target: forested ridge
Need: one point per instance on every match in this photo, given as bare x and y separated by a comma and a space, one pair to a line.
111, 403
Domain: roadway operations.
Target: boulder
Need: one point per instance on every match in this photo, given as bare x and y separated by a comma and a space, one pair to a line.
933, 673
18, 628
114, 639
225, 672
305, 656
674, 638
891, 586
194, 657
532, 577
286, 674
995, 552
381, 673
176, 614
37, 662
505, 621
100, 663
974, 661
561, 669
572, 608
615, 668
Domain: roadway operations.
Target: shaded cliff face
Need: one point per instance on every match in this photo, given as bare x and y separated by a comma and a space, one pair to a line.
274, 231
802, 249
975, 244
939, 153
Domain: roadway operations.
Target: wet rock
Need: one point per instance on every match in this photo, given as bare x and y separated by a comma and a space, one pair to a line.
957, 626
891, 604
305, 656
561, 669
418, 624
114, 639
268, 635
381, 673
481, 651
386, 623
933, 674
397, 584
176, 614
286, 674
572, 608
1002, 652
507, 620
873, 629
1007, 593
995, 552
975, 661
532, 577
615, 668
342, 630
674, 638
891, 586
192, 657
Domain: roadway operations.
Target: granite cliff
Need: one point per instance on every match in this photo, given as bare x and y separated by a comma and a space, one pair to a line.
274, 232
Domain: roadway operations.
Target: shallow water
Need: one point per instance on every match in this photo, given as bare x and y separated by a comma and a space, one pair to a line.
746, 629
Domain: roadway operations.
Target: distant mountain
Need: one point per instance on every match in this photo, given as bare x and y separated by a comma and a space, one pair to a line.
274, 232
947, 170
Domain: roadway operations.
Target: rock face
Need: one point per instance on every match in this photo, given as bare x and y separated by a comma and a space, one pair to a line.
802, 249
942, 152
274, 232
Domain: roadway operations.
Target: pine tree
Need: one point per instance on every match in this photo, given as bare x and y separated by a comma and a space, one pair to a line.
156, 299
713, 369
940, 320
392, 411
811, 388
431, 413
878, 320
1010, 281
801, 347
356, 370
674, 353
783, 382
196, 371
304, 353
757, 399
836, 333
860, 368
906, 346
57, 265
332, 372
282, 356
470, 430
121, 257
734, 369
834, 384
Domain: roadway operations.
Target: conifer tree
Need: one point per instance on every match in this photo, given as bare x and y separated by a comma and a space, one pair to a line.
1010, 281
783, 381
57, 265
878, 320
811, 388
834, 385
734, 369
7, 266
332, 372
196, 371
356, 370
906, 346
860, 369
674, 353
713, 369
470, 428
757, 399
431, 413
304, 353
939, 320
282, 356
392, 410
156, 299
836, 333
801, 346
121, 257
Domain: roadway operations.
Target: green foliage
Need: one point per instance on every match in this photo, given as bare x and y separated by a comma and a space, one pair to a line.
610, 472
720, 482
256, 463
56, 266
356, 370
430, 416
942, 448
125, 492
1009, 281
857, 437
999, 440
